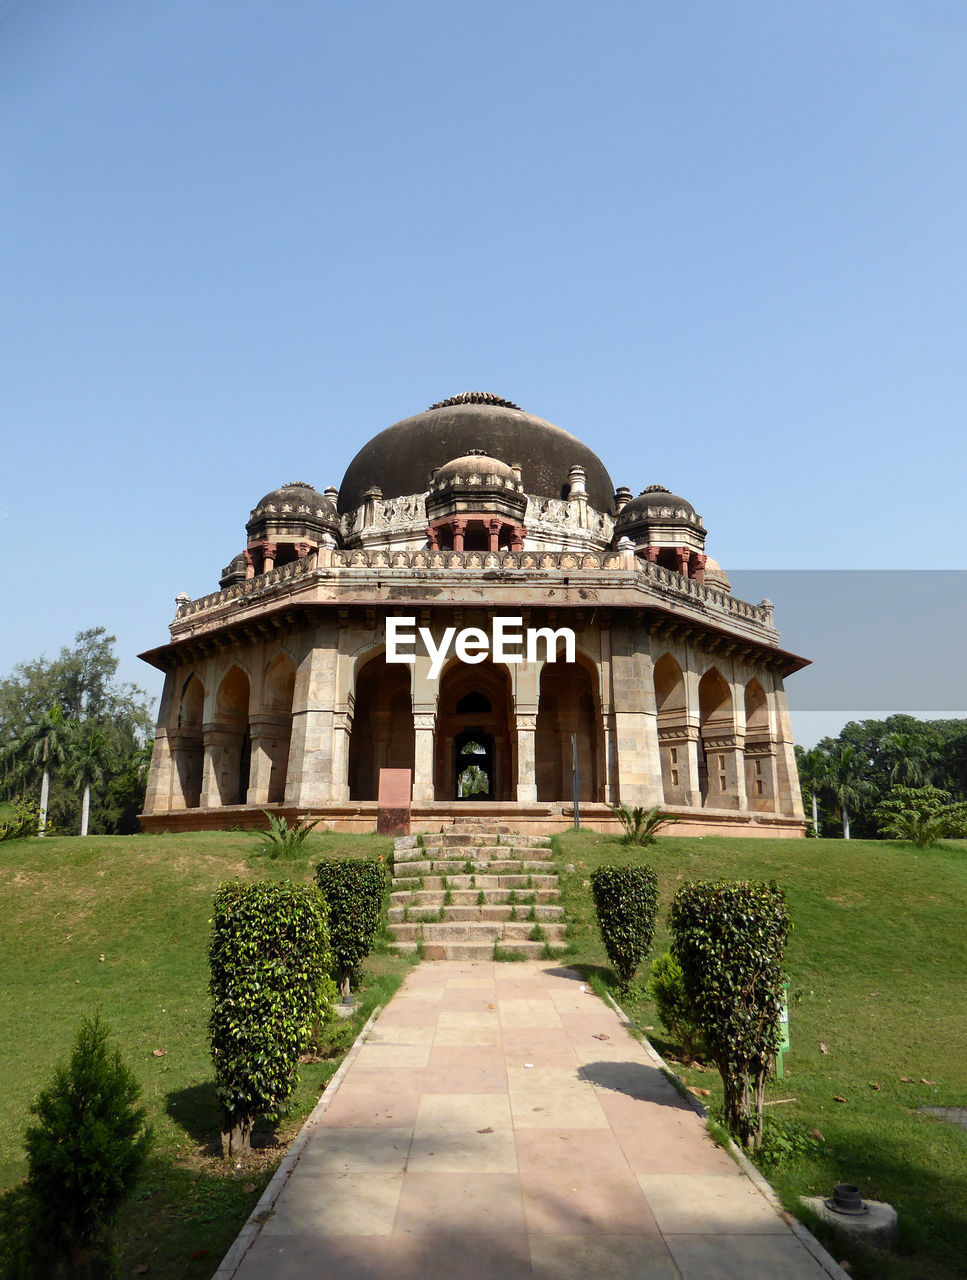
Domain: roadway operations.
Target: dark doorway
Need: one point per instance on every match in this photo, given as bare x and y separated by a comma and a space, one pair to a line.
473, 765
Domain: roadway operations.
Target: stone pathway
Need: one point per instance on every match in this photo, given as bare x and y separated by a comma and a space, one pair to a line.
499, 1122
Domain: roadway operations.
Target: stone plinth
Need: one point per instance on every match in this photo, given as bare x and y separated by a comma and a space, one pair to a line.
393, 804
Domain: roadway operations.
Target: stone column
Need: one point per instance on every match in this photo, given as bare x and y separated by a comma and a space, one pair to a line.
270, 743
636, 720
220, 765
760, 775
493, 531
458, 528
788, 792
160, 790
679, 761
424, 722
726, 771
526, 755
269, 552
313, 777
187, 765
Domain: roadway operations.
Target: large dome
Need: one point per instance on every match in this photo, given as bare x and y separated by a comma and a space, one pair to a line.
400, 459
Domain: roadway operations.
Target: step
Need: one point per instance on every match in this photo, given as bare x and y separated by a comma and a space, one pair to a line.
520, 931
462, 931
458, 951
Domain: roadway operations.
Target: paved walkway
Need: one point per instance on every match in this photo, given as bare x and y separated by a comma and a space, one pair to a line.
499, 1122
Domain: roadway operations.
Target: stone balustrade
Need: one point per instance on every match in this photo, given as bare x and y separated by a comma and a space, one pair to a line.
584, 567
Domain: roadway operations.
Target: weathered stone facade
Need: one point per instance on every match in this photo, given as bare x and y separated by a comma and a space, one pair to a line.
278, 693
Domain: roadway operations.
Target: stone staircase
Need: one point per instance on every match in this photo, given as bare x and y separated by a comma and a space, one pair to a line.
471, 891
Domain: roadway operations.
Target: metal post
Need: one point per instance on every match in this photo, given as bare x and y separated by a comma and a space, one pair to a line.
574, 780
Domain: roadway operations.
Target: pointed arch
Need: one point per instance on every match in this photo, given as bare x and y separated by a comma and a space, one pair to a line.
673, 736
759, 750
568, 703
231, 742
191, 708
716, 726
382, 734
461, 731
272, 731
187, 745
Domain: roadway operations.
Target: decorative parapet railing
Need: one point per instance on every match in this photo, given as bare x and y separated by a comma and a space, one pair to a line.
331, 564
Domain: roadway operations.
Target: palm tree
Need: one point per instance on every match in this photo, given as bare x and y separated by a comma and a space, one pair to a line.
814, 777
908, 758
88, 756
847, 786
44, 742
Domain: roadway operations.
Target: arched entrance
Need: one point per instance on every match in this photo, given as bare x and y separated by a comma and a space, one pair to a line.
716, 733
672, 730
382, 733
474, 752
232, 745
187, 745
567, 705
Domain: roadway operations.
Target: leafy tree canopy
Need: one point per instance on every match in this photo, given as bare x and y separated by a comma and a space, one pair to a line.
82, 681
868, 759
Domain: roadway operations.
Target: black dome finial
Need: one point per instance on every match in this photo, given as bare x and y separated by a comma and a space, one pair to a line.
475, 397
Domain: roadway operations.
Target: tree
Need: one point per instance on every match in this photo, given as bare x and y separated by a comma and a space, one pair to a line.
84, 1153
729, 938
923, 815
907, 758
88, 756
847, 785
814, 779
83, 682
44, 742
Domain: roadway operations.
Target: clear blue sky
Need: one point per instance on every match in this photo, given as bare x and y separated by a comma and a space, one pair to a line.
723, 244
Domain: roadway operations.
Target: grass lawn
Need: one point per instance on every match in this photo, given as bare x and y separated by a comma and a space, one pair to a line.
877, 964
120, 925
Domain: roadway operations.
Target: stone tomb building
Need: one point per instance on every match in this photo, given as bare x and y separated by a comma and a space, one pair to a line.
278, 694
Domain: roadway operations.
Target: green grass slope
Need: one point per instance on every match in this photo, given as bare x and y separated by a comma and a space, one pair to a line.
120, 925
878, 960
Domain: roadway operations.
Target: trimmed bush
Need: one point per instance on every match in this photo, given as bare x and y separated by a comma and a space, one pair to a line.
84, 1155
676, 1012
729, 940
269, 960
354, 890
626, 903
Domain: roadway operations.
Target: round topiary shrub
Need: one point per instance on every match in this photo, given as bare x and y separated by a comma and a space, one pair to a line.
626, 904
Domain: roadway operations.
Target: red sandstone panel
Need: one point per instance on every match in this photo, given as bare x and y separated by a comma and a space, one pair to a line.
393, 805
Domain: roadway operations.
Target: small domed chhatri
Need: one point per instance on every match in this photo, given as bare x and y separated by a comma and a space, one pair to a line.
284, 691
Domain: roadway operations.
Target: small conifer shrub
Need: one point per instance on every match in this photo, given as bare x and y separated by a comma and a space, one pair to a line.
84, 1154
